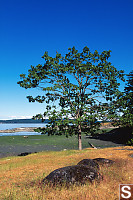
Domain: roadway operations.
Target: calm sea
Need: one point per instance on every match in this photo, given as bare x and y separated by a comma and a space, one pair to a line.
15, 125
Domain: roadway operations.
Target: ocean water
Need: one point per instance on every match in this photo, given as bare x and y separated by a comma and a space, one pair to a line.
13, 125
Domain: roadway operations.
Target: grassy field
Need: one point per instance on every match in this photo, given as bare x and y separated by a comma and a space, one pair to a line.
38, 140
20, 177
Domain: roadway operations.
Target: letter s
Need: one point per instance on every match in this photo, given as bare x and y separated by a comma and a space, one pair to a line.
126, 191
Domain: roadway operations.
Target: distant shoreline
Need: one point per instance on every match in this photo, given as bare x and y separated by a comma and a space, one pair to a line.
32, 129
21, 129
22, 121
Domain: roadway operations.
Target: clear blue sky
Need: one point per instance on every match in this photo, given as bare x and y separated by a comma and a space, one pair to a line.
28, 28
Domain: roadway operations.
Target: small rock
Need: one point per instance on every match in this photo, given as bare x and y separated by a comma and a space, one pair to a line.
89, 163
25, 136
24, 154
76, 174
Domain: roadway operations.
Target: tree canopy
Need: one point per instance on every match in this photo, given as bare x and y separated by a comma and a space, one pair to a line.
124, 103
128, 101
77, 88
123, 110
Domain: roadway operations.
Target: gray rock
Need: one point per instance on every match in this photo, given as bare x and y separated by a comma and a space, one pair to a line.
103, 161
25, 153
89, 163
77, 174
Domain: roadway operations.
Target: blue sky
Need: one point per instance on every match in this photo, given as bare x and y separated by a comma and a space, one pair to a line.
28, 28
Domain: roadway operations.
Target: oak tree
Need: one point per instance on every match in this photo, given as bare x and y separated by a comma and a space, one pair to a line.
76, 89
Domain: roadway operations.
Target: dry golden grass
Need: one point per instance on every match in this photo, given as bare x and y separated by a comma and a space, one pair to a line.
20, 177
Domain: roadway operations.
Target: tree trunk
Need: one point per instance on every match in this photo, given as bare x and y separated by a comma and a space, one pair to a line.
79, 137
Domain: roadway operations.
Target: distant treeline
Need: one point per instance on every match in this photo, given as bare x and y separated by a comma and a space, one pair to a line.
22, 121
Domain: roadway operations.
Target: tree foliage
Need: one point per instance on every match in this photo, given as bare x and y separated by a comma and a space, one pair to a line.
76, 86
124, 105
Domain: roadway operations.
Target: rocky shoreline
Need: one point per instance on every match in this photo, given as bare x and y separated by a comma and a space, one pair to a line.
22, 129
32, 129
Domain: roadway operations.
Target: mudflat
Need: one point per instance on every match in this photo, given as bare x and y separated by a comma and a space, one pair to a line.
14, 145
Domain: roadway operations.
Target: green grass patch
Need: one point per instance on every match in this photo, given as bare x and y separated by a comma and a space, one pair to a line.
32, 140
54, 142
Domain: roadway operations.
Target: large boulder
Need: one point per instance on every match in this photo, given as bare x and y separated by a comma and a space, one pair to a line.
89, 163
103, 161
76, 174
